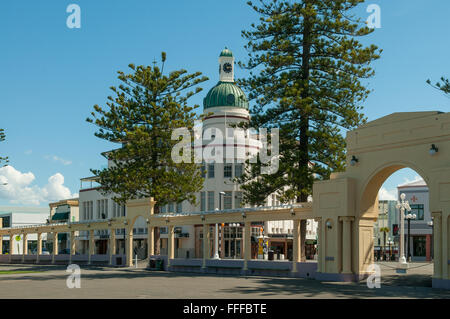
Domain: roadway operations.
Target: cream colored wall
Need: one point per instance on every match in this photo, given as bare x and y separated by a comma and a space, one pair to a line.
383, 147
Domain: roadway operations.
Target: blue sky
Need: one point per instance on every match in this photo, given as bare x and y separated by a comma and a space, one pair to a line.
51, 76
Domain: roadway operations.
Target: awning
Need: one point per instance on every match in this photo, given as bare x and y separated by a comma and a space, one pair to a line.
60, 216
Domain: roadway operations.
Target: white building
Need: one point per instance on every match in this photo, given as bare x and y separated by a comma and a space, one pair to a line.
22, 216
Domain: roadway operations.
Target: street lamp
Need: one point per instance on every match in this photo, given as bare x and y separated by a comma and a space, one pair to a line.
408, 218
402, 205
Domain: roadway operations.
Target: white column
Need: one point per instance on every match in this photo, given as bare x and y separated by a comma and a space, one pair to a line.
206, 236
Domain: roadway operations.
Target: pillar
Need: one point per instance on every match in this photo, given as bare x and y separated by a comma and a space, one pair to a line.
91, 246
11, 246
296, 247
247, 245
55, 246
72, 245
39, 247
129, 246
346, 244
437, 245
151, 240
112, 245
24, 246
319, 244
170, 245
206, 237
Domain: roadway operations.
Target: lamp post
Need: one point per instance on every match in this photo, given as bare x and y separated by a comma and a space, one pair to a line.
402, 205
408, 218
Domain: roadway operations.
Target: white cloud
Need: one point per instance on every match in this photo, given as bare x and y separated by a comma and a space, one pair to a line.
384, 194
19, 188
415, 179
58, 159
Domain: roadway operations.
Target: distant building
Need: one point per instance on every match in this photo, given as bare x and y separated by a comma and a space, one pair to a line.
22, 216
64, 211
384, 244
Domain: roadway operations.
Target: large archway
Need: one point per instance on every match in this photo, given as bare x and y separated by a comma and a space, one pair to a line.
347, 204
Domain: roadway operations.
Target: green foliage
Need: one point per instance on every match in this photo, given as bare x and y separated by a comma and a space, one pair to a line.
146, 108
306, 79
3, 160
444, 85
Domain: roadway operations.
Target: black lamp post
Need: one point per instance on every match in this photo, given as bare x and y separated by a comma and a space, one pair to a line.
409, 217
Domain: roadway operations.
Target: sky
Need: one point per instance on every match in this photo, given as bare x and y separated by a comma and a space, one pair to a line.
51, 76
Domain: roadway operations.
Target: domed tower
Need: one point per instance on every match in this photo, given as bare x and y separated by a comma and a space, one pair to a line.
225, 103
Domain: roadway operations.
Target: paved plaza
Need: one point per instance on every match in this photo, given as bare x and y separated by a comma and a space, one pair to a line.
30, 281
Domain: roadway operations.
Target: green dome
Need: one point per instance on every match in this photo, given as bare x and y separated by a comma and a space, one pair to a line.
226, 52
225, 94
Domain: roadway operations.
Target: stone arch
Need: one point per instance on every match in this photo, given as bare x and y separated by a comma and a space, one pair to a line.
376, 150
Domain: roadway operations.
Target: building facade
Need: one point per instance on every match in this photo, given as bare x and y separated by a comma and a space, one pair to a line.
223, 150
22, 216
421, 233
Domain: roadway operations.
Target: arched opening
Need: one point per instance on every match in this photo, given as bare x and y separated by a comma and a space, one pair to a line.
379, 223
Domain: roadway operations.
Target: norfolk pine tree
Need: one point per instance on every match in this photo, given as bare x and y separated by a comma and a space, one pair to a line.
146, 108
306, 68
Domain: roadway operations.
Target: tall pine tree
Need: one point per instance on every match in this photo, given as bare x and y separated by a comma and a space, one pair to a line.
142, 115
306, 71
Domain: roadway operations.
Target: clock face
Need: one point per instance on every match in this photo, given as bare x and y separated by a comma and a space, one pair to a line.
227, 67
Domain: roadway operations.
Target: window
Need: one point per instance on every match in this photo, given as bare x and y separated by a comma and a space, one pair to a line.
179, 207
227, 200
237, 199
227, 170
202, 201
238, 168
211, 170
170, 209
418, 210
210, 200
6, 222
163, 209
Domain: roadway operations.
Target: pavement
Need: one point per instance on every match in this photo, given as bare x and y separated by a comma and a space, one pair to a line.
135, 283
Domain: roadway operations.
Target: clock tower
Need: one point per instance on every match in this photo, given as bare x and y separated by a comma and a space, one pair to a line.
226, 66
